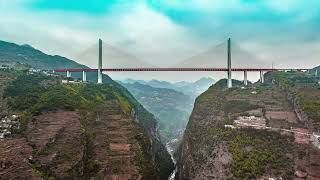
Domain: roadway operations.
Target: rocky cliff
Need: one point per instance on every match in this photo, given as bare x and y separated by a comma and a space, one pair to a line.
254, 132
76, 131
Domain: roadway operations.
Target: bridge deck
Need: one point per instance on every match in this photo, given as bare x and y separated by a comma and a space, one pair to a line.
179, 69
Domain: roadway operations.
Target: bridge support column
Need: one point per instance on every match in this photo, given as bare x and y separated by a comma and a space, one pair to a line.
68, 74
99, 76
100, 63
245, 74
316, 73
229, 64
84, 76
261, 77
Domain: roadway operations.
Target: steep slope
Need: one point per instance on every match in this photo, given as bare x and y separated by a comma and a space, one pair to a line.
260, 132
117, 146
172, 108
79, 131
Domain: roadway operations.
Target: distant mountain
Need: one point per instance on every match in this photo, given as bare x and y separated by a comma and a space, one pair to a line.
189, 88
217, 57
194, 88
132, 81
11, 53
26, 54
161, 84
172, 108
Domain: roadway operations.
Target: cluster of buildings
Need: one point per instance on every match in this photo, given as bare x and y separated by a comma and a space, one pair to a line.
6, 125
302, 136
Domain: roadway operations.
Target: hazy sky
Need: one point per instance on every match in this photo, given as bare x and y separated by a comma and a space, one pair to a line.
164, 32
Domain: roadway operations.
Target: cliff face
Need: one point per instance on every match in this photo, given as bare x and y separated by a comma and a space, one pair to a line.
251, 133
76, 131
171, 108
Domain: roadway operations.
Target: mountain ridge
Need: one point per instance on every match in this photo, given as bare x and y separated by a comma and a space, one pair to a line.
34, 57
189, 88
254, 132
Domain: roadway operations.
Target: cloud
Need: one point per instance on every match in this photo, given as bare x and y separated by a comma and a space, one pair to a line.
156, 38
165, 32
152, 36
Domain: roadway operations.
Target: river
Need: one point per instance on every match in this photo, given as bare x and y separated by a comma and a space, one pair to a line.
170, 150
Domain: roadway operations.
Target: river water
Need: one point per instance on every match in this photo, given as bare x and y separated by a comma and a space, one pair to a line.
170, 150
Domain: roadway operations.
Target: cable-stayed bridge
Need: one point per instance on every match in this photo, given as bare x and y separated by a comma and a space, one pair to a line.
202, 60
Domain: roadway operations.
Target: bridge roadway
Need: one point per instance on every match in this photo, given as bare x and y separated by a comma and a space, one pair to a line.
181, 69
229, 70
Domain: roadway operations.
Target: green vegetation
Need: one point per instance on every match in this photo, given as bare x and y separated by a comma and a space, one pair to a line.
305, 87
142, 158
36, 93
237, 106
310, 102
255, 152
31, 94
93, 166
291, 78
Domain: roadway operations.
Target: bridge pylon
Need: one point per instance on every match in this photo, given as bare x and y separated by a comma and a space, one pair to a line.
229, 64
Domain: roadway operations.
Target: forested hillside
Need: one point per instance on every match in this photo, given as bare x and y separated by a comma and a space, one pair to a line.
12, 54
62, 129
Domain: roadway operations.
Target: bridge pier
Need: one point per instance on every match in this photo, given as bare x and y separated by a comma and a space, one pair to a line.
229, 64
316, 73
99, 77
261, 77
84, 76
245, 74
68, 74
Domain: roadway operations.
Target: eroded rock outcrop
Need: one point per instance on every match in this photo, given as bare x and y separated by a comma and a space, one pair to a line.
58, 144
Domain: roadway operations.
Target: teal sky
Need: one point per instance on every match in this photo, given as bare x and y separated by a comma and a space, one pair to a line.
164, 32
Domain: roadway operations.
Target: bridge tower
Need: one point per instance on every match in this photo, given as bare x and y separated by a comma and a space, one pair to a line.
229, 64
100, 63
